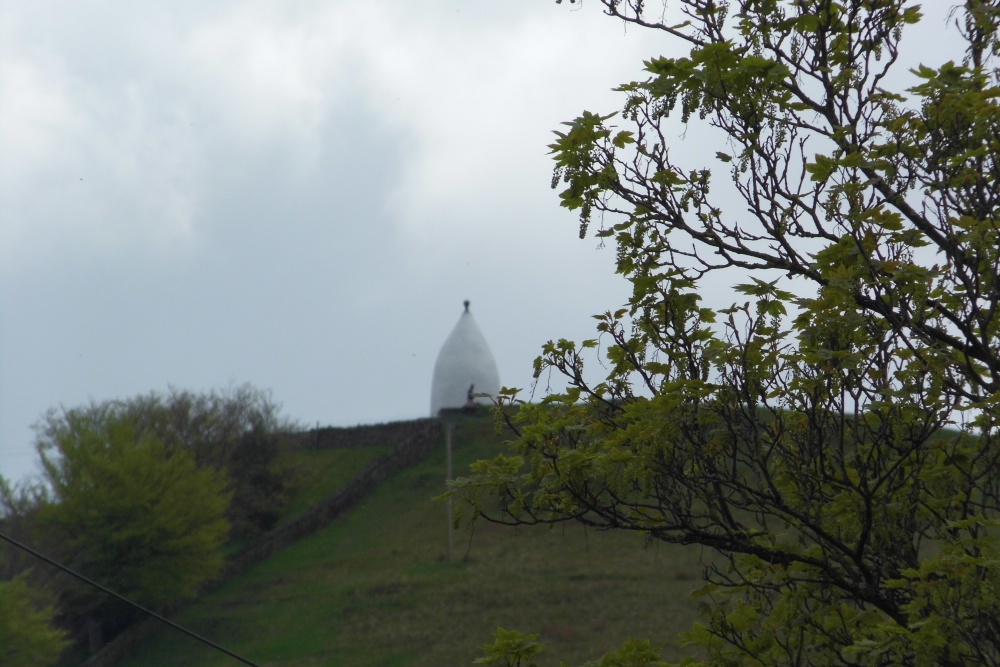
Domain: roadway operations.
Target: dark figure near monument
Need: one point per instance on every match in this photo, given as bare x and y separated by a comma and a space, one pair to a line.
469, 403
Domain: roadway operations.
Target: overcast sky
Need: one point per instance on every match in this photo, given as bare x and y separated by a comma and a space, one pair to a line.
296, 195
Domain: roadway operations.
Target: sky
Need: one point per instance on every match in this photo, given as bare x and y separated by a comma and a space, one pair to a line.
295, 195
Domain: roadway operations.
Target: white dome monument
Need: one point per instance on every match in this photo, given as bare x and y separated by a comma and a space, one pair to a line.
464, 366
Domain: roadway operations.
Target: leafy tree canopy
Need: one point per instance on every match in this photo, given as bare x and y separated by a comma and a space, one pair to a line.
235, 431
832, 435
27, 636
19, 503
139, 517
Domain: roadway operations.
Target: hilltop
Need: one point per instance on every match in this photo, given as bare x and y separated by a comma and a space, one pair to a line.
374, 587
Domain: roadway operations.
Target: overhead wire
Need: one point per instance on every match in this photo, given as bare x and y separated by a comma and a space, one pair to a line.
138, 606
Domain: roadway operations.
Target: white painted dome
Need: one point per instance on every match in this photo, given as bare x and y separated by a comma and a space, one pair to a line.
464, 361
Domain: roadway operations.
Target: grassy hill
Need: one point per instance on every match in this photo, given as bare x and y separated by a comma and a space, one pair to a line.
375, 588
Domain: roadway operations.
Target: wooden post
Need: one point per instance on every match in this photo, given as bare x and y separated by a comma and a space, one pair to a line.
447, 458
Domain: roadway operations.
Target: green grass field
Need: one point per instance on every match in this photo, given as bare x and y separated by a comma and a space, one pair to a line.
375, 588
318, 474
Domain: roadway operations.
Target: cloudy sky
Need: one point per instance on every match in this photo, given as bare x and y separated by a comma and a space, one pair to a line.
297, 195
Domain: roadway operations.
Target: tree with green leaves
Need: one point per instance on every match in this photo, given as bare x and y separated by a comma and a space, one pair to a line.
235, 431
832, 435
27, 635
130, 513
19, 504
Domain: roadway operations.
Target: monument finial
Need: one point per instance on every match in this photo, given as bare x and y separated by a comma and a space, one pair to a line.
466, 302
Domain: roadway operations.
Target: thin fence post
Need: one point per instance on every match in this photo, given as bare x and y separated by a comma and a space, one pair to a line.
447, 457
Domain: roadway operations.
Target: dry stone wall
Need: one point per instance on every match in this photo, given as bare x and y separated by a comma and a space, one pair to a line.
412, 441
397, 434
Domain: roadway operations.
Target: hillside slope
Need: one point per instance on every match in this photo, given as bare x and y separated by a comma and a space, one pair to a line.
374, 588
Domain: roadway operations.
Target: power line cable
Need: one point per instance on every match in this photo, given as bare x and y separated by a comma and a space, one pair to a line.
138, 606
